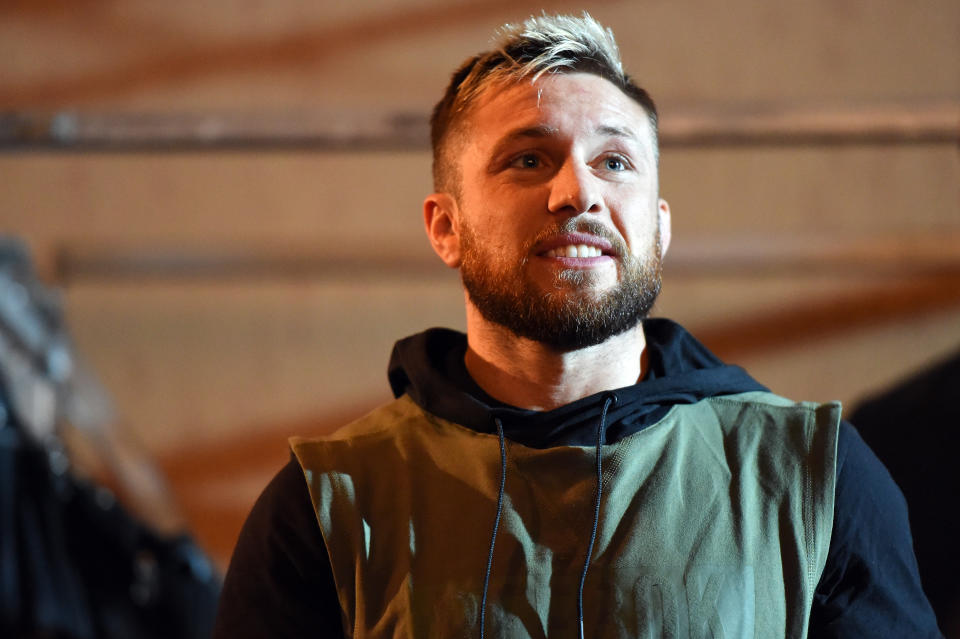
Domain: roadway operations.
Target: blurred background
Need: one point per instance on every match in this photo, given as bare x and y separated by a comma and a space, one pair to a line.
228, 195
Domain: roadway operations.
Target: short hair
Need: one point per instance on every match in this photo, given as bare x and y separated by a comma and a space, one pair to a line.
542, 44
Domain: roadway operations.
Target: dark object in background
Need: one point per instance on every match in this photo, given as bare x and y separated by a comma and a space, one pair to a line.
74, 562
914, 428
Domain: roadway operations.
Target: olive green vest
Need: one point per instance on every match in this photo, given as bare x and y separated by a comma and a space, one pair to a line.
715, 522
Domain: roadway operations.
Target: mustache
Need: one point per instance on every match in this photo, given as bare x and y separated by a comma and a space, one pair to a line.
590, 227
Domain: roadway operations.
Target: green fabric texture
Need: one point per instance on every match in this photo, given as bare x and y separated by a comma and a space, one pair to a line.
715, 522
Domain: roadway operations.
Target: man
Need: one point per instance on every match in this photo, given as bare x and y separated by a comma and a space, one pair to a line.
565, 468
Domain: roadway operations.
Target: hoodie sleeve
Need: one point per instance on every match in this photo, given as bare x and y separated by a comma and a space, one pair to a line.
871, 585
280, 583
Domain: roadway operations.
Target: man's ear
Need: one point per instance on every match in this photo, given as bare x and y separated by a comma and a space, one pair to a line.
440, 218
663, 223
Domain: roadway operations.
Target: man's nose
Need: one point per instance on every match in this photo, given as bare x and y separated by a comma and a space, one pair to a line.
574, 190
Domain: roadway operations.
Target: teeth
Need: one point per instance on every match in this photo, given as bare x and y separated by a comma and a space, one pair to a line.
575, 250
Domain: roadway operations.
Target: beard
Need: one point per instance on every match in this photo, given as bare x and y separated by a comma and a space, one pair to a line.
568, 315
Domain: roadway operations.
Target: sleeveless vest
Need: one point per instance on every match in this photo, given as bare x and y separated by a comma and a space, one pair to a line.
715, 522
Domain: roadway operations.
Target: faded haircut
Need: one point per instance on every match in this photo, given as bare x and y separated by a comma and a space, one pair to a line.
542, 44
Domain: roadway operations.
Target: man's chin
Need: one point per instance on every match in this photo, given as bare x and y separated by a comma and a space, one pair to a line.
598, 278
577, 284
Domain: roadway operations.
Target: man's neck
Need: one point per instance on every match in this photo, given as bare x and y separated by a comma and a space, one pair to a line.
528, 374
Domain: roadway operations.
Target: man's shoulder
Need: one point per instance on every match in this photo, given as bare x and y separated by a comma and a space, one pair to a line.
765, 400
378, 422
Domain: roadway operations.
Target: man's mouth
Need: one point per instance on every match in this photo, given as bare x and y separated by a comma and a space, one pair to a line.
574, 250
575, 246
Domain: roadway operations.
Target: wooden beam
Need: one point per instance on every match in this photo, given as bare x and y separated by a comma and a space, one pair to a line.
905, 253
917, 254
810, 320
703, 126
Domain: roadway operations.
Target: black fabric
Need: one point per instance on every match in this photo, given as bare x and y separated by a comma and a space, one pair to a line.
77, 565
429, 367
914, 428
870, 586
280, 584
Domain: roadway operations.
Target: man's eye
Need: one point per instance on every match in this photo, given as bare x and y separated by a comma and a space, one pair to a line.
614, 163
526, 161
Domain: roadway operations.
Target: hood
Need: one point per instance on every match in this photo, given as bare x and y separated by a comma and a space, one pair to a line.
429, 367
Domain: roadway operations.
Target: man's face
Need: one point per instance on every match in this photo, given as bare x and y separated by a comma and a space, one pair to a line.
558, 211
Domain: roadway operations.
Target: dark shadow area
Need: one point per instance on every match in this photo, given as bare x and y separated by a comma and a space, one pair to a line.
914, 428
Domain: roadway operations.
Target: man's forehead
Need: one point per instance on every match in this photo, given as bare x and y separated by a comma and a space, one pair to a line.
554, 105
549, 130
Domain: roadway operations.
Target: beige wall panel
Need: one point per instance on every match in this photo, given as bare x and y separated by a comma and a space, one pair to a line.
704, 300
854, 365
751, 50
198, 362
844, 364
354, 202
849, 191
372, 201
150, 55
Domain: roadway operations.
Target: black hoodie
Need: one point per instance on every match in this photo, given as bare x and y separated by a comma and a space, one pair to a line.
429, 367
280, 583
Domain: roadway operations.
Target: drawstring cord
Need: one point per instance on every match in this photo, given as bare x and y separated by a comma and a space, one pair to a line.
611, 399
496, 525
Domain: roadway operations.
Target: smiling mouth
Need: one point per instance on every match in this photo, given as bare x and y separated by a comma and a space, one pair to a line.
574, 250
587, 244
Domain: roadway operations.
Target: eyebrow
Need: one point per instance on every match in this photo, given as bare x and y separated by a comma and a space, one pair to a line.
546, 131
531, 132
617, 132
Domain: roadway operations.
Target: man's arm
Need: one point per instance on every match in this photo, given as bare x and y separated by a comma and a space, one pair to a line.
870, 586
279, 583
